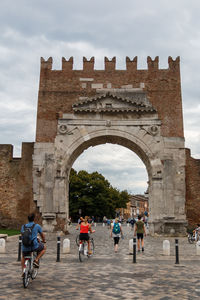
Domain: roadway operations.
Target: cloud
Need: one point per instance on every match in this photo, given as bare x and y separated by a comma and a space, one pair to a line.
35, 28
119, 165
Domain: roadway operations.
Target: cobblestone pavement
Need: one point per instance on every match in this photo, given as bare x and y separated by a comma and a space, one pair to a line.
106, 275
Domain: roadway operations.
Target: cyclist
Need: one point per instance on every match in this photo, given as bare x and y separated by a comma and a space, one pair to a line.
37, 246
85, 227
196, 232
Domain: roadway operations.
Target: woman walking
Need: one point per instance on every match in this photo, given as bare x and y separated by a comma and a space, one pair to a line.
116, 233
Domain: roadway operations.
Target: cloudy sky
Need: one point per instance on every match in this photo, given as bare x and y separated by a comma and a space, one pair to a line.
30, 29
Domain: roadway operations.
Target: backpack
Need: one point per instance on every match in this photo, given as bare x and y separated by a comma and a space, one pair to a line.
27, 240
116, 228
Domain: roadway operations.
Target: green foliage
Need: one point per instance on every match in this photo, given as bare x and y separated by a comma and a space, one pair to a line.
94, 195
9, 232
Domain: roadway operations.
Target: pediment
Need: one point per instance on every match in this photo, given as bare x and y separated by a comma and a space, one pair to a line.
110, 102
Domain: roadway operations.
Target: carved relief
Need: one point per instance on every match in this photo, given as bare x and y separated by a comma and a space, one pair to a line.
62, 128
153, 130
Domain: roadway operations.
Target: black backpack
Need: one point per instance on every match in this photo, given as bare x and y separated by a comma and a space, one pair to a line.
27, 240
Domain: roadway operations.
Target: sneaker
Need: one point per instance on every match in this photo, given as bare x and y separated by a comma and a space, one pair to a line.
142, 249
36, 264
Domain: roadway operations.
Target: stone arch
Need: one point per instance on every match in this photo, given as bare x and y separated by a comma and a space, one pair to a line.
141, 144
130, 141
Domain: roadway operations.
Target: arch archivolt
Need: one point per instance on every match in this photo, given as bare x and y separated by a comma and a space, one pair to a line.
138, 144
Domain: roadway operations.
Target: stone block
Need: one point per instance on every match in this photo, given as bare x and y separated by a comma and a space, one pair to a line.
66, 246
2, 245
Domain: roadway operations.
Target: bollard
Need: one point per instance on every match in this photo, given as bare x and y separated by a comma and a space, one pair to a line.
198, 248
134, 250
19, 248
58, 249
2, 246
131, 246
166, 247
66, 246
176, 249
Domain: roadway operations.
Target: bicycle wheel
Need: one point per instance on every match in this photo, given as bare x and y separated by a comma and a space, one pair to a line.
77, 240
82, 252
26, 275
92, 246
34, 270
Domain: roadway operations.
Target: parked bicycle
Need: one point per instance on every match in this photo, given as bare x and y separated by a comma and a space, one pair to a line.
29, 271
83, 249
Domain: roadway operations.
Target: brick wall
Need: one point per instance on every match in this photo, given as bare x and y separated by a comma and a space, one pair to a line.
16, 200
192, 189
59, 89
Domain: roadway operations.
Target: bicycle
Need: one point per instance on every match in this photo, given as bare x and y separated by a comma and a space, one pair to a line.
193, 237
83, 249
90, 238
29, 270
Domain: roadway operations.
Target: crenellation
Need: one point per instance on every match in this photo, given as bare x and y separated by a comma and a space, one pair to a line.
67, 65
153, 64
131, 65
174, 64
110, 65
46, 64
88, 65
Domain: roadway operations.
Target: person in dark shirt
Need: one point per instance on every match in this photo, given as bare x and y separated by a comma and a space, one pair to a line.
141, 232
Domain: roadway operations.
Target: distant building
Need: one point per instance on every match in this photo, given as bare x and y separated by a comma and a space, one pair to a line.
138, 205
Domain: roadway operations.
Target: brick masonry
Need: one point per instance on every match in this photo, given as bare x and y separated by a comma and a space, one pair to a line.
192, 189
15, 186
58, 90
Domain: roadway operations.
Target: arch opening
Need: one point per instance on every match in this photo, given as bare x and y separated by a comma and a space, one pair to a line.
126, 174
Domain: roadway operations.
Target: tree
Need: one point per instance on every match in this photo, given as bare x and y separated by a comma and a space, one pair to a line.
93, 195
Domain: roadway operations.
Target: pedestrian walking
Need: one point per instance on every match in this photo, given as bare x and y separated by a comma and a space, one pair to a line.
132, 221
141, 232
116, 233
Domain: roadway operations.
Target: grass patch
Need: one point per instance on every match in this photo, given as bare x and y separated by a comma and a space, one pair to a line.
9, 232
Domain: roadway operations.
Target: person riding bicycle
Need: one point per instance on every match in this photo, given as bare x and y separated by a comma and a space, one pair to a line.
37, 246
85, 227
196, 232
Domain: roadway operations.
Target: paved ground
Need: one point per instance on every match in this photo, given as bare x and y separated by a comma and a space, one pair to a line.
107, 275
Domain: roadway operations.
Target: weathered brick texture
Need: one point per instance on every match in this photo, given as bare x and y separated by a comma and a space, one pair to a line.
192, 189
16, 199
